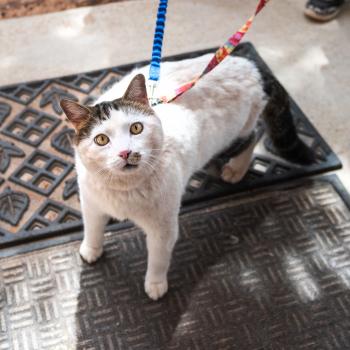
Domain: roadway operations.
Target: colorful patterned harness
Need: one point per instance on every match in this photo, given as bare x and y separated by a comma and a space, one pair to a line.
218, 57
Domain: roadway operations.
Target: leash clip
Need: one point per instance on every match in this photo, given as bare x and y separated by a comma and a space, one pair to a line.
152, 85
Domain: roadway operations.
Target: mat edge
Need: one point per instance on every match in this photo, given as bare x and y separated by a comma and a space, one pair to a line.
46, 243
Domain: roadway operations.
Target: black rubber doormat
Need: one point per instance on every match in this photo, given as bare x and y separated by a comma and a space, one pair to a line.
38, 189
265, 272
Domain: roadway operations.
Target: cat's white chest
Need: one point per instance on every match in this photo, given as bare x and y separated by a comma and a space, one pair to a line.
112, 204
105, 199
120, 205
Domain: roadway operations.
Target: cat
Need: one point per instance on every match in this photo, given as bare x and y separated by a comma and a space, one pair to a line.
134, 161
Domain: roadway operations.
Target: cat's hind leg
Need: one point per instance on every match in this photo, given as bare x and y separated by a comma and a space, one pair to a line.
235, 169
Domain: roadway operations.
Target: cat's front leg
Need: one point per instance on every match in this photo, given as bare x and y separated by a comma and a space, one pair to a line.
94, 223
161, 239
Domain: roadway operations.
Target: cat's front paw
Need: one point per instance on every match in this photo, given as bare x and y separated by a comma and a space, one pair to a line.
89, 254
156, 290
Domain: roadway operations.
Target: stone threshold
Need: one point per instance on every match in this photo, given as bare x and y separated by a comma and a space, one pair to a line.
22, 8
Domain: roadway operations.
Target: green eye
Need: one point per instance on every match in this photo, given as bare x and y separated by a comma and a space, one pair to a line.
136, 128
101, 139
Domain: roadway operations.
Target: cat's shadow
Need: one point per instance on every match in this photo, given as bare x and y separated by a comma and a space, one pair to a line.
113, 311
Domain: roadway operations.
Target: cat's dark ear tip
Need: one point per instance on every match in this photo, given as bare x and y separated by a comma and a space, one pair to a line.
140, 77
137, 90
64, 103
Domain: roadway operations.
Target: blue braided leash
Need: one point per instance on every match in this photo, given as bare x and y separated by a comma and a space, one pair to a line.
154, 70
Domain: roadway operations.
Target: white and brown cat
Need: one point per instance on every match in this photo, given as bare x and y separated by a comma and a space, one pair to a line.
134, 161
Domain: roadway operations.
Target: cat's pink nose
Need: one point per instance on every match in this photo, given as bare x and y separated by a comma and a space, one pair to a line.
124, 154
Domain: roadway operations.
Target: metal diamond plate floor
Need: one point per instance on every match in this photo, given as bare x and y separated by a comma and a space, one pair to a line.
270, 271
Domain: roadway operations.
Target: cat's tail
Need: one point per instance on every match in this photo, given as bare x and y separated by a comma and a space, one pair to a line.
277, 115
280, 125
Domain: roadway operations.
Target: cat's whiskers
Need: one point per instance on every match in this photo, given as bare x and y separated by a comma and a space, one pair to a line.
113, 162
110, 178
153, 157
158, 152
155, 175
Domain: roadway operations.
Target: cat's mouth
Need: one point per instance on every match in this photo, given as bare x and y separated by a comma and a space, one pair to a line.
132, 161
129, 166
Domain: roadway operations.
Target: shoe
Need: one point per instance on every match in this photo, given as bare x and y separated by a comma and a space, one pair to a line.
323, 10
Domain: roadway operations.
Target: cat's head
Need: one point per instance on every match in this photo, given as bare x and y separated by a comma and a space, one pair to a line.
120, 137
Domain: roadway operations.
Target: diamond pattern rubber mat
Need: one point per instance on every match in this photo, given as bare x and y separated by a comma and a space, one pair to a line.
38, 188
265, 272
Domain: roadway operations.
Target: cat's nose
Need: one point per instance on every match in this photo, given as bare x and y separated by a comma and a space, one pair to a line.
124, 154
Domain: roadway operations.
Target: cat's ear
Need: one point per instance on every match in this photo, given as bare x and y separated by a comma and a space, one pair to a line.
77, 114
137, 90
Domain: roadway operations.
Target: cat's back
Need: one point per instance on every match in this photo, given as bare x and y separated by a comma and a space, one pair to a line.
233, 73
221, 98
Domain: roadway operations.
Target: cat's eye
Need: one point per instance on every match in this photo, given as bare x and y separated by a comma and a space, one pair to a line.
101, 139
136, 128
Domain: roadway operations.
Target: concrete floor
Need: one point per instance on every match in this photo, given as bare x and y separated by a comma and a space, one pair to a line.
310, 59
